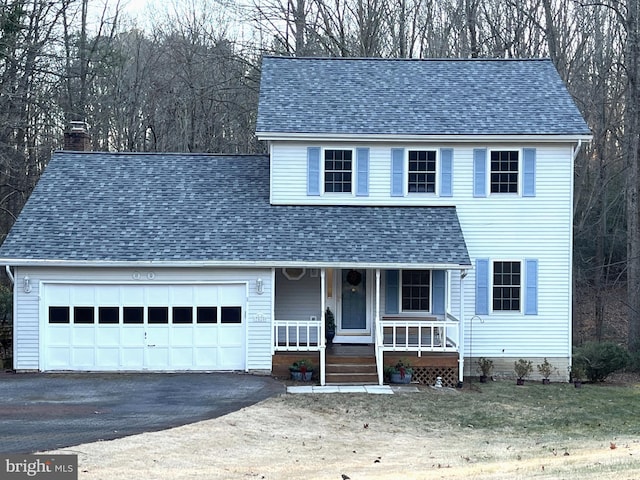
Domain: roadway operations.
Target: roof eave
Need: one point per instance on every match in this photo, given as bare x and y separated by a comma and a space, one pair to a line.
226, 264
384, 137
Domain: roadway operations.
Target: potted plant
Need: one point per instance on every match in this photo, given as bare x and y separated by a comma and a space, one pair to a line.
577, 374
329, 326
400, 372
523, 368
485, 365
301, 370
545, 369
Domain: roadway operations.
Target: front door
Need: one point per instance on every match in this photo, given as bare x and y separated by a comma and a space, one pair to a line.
353, 312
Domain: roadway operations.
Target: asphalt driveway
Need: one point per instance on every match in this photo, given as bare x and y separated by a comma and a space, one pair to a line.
49, 411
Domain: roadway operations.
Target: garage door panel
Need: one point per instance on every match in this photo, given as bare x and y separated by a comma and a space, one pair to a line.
206, 336
218, 342
108, 358
59, 335
158, 295
206, 357
182, 336
108, 336
158, 358
59, 357
132, 358
83, 357
83, 335
228, 357
132, 336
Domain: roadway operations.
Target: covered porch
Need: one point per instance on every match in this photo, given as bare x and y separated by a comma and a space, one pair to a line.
381, 315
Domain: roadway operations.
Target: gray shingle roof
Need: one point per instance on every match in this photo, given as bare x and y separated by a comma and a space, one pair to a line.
415, 97
206, 208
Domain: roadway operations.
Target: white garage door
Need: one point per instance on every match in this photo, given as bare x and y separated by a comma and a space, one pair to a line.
144, 327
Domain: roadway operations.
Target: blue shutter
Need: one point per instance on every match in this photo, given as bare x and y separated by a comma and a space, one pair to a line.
438, 278
313, 171
529, 172
479, 172
482, 286
531, 279
397, 172
362, 167
446, 172
392, 286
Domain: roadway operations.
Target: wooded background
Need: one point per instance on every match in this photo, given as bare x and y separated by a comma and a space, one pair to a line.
185, 78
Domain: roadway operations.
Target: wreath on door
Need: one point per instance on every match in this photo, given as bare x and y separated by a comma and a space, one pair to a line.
354, 278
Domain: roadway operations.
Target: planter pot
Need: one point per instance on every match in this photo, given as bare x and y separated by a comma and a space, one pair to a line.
300, 377
483, 378
397, 378
546, 381
577, 384
329, 335
520, 381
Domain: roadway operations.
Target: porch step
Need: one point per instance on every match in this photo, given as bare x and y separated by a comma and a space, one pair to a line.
353, 367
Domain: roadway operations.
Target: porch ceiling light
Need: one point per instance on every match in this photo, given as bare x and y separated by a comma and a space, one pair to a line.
259, 286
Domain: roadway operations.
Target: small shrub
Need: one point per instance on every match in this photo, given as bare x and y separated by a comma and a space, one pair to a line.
545, 369
634, 362
599, 360
523, 368
485, 365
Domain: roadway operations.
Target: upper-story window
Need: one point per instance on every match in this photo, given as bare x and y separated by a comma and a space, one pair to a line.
422, 171
338, 171
506, 286
504, 171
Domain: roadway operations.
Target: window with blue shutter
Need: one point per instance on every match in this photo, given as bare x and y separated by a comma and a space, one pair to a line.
313, 171
438, 279
480, 172
362, 169
446, 172
397, 172
392, 288
529, 172
482, 286
531, 279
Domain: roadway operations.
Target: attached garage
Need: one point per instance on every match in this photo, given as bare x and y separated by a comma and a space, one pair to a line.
156, 327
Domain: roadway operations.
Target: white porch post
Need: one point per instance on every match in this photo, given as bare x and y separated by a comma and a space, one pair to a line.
378, 351
461, 345
321, 340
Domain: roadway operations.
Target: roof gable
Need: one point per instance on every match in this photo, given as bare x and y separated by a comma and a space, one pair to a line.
415, 97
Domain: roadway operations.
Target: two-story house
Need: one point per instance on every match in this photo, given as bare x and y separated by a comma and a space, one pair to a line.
426, 203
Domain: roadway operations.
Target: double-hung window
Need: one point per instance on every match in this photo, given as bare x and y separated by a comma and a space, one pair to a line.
504, 171
338, 171
416, 291
507, 286
422, 171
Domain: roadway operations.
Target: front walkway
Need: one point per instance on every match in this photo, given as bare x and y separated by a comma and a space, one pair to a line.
373, 389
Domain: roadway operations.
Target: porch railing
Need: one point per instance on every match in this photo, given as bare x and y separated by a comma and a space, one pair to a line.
406, 334
297, 335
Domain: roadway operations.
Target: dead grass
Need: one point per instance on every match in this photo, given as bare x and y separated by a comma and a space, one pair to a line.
497, 431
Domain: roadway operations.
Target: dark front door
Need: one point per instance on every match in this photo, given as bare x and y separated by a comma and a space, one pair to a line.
354, 300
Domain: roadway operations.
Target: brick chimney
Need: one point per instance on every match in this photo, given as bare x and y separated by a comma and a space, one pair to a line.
77, 137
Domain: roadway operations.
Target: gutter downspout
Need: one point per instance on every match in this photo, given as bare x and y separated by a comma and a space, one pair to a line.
576, 150
12, 279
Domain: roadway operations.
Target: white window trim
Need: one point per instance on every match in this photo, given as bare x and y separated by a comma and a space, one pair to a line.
415, 312
520, 186
354, 172
436, 192
492, 262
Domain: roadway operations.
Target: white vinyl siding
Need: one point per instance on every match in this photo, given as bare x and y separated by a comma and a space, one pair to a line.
28, 309
495, 227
